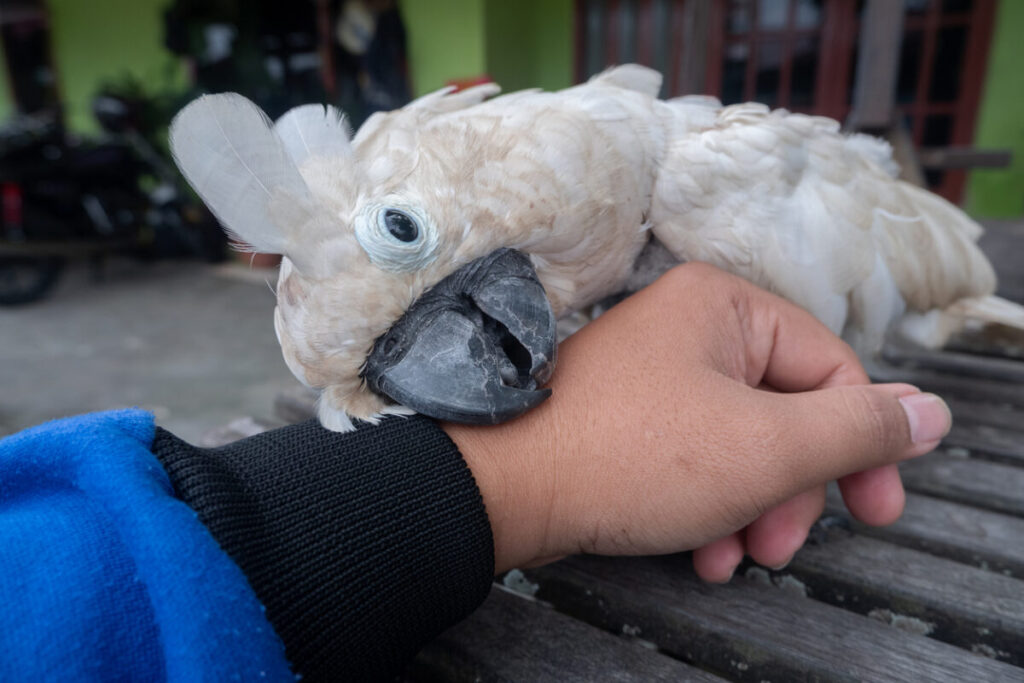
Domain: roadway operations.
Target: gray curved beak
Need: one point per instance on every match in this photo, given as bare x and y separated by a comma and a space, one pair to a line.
475, 348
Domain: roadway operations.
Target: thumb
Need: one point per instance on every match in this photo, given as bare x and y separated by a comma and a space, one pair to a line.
849, 429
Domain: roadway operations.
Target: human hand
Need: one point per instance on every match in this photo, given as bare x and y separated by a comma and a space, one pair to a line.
701, 413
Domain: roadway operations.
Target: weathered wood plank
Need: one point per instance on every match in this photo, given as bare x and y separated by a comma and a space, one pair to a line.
964, 157
969, 607
513, 638
696, 34
999, 415
959, 532
998, 341
974, 482
905, 153
963, 388
1003, 243
985, 441
878, 60
746, 632
951, 362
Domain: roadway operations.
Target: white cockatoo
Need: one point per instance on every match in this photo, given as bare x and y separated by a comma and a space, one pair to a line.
427, 259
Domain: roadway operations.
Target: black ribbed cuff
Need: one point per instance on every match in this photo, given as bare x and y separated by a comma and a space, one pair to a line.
362, 546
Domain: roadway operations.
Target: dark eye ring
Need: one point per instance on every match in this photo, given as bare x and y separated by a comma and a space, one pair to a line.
401, 225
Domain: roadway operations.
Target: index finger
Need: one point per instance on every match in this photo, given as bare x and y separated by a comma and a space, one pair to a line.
790, 350
793, 351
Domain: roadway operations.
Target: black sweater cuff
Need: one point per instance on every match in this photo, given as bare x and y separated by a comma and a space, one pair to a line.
362, 546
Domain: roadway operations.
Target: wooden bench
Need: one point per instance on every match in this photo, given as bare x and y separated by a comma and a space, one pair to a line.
937, 596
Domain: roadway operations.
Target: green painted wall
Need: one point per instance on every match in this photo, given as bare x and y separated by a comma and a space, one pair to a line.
529, 43
510, 44
445, 41
106, 39
555, 37
519, 44
1000, 193
6, 101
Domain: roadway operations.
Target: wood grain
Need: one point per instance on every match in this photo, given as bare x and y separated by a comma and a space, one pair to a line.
985, 485
962, 388
747, 632
985, 441
959, 532
969, 607
513, 638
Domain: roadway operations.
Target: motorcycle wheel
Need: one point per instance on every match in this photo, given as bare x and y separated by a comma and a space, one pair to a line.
24, 279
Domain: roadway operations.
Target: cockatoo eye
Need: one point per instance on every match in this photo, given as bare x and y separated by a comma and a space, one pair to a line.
401, 225
396, 235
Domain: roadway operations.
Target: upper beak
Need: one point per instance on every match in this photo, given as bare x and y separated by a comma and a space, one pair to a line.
474, 348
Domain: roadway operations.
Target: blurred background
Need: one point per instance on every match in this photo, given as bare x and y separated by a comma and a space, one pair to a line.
117, 287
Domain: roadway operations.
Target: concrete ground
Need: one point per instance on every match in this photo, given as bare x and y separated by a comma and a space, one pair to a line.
193, 343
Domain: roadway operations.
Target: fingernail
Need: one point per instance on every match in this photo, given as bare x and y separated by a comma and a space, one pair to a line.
780, 567
928, 415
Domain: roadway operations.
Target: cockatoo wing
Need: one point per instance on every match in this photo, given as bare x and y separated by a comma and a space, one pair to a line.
791, 204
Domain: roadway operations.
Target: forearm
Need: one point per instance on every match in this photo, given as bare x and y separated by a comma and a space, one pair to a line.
361, 546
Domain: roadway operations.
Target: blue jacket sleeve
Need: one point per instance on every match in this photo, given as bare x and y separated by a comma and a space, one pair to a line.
104, 574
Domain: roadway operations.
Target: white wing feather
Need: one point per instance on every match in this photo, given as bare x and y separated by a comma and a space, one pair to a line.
788, 202
228, 152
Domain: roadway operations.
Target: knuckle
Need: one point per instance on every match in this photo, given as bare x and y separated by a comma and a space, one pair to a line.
694, 273
683, 276
874, 420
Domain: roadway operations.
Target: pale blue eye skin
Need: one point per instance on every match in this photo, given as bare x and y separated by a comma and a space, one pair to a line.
401, 225
397, 235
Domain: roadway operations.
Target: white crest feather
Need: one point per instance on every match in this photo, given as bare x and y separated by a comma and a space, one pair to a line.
228, 152
313, 129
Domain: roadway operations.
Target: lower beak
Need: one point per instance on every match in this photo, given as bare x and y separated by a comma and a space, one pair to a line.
475, 348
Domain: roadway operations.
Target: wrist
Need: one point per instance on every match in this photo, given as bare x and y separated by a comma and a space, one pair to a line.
515, 488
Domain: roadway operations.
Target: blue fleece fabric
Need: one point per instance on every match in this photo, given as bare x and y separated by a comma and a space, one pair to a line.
105, 575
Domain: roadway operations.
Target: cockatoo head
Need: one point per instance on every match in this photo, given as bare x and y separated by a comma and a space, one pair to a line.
395, 293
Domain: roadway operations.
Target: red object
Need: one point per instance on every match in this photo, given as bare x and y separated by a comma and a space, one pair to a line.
463, 83
11, 197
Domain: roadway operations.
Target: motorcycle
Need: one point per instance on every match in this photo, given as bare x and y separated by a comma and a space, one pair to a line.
62, 199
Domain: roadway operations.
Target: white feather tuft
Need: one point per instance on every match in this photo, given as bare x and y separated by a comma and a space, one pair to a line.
314, 130
634, 77
876, 150
990, 309
331, 418
226, 149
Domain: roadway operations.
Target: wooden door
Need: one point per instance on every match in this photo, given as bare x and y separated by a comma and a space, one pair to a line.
942, 69
801, 55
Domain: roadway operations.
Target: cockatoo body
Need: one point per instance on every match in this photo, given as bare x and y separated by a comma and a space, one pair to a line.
426, 260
